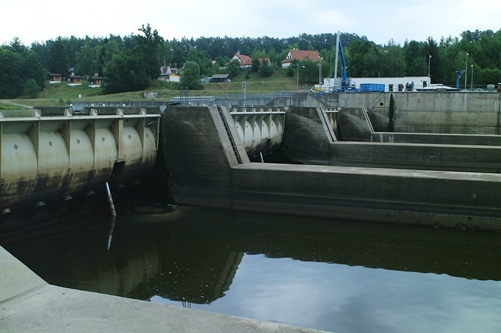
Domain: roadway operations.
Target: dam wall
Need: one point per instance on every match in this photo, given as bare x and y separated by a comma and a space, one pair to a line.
198, 154
416, 112
430, 112
306, 136
204, 171
310, 139
49, 159
465, 158
433, 138
451, 199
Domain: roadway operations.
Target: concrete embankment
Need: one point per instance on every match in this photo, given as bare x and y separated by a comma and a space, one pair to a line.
29, 304
204, 172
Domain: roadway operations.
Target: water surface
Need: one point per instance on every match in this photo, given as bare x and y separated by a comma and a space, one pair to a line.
340, 276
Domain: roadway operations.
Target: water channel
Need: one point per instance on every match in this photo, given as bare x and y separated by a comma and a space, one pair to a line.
341, 276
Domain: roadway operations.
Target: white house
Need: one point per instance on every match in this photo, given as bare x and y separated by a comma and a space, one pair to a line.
169, 74
174, 77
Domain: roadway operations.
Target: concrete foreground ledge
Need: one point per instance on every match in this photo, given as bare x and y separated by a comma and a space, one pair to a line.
29, 304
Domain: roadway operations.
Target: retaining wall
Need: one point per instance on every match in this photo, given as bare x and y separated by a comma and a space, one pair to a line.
461, 200
432, 112
307, 139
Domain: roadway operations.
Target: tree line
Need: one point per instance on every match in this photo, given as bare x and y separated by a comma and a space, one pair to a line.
132, 62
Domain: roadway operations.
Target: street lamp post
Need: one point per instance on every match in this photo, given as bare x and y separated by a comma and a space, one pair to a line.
471, 86
297, 83
466, 71
429, 68
320, 71
297, 78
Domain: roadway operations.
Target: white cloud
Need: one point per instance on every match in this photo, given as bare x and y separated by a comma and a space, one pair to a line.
380, 21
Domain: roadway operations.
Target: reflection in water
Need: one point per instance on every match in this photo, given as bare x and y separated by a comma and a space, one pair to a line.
112, 227
319, 273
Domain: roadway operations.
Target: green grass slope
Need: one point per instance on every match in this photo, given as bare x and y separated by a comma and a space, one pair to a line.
63, 94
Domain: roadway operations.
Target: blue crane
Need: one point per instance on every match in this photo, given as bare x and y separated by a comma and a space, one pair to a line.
458, 76
344, 80
344, 85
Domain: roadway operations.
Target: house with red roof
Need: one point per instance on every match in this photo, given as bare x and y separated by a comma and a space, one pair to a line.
299, 55
244, 60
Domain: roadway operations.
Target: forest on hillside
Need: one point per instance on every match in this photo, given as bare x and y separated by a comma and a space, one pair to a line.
132, 62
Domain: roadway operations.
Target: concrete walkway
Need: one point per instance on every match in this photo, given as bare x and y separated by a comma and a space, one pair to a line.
29, 304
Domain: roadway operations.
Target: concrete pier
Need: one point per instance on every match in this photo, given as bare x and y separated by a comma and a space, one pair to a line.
29, 304
198, 155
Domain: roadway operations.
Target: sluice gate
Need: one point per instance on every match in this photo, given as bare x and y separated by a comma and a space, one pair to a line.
260, 130
52, 158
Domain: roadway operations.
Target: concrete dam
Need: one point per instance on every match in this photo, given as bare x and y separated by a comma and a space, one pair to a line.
413, 158
416, 158
49, 157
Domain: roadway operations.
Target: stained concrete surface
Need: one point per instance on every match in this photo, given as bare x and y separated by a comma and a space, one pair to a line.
29, 304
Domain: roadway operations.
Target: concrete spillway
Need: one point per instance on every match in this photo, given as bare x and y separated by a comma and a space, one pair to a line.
260, 129
347, 138
51, 158
367, 162
203, 171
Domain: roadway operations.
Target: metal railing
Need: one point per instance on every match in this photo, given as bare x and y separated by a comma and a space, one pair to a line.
238, 99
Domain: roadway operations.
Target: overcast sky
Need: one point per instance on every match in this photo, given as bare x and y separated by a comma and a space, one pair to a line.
379, 21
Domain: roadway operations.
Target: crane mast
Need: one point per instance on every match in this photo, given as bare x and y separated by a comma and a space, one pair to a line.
339, 51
